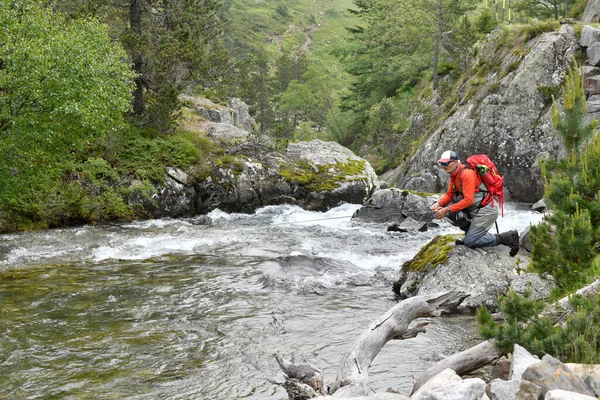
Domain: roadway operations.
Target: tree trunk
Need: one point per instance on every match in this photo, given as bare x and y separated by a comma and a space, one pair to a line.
135, 22
463, 362
436, 53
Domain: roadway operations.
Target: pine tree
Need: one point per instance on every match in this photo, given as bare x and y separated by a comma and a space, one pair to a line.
565, 244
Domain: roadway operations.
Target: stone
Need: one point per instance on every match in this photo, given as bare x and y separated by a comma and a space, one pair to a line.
558, 394
468, 389
539, 206
501, 369
593, 382
528, 391
179, 176
591, 12
590, 70
550, 374
538, 285
592, 85
589, 35
445, 378
503, 390
593, 104
593, 54
522, 359
394, 205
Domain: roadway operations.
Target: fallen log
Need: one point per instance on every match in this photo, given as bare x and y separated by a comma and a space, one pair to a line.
463, 362
561, 308
352, 376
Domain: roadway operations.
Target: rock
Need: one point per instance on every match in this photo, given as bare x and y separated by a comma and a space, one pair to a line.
395, 205
593, 55
501, 369
528, 391
484, 274
591, 12
589, 35
550, 374
226, 131
410, 225
583, 370
511, 123
468, 389
538, 285
589, 70
592, 85
315, 175
445, 378
522, 359
593, 104
539, 206
179, 176
525, 239
593, 382
241, 116
558, 394
502, 390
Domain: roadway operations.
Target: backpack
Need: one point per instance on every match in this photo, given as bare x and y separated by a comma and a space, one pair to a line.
493, 181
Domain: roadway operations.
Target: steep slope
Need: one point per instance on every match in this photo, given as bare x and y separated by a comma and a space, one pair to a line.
503, 110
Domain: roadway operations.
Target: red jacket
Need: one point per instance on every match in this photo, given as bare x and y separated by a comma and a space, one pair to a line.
463, 183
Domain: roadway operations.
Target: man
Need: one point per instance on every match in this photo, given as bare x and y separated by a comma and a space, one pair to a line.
462, 204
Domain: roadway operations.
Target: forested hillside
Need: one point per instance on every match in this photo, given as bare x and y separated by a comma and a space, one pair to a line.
90, 91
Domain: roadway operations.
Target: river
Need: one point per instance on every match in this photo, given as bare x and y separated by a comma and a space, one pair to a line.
178, 309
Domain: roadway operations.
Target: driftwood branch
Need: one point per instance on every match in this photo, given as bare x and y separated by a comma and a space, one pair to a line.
305, 381
352, 377
463, 362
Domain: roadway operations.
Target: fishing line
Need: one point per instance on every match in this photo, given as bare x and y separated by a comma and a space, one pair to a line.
312, 220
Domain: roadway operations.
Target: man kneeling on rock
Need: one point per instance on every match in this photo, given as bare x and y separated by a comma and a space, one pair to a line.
462, 205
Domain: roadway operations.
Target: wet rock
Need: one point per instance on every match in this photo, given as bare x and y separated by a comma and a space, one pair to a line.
394, 205
484, 274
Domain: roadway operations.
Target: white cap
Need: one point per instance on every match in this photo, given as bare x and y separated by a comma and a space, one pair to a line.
448, 155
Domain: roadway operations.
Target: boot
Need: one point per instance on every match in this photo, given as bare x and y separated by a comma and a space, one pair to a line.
510, 239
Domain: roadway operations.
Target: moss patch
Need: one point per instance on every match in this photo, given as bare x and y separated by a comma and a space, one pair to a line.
323, 177
432, 254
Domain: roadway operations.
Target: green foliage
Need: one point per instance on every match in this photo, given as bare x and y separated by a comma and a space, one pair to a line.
63, 85
565, 246
570, 121
576, 340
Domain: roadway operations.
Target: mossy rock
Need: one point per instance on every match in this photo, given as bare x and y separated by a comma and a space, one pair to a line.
431, 255
319, 178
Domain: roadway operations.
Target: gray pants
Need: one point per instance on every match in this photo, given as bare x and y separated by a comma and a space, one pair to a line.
481, 220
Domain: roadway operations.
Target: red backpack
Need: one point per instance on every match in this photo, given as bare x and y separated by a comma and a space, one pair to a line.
494, 182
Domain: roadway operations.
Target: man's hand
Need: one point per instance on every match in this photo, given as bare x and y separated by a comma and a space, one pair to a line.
435, 206
441, 212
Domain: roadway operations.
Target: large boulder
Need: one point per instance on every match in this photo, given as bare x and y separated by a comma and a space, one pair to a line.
315, 175
395, 206
508, 117
484, 274
591, 12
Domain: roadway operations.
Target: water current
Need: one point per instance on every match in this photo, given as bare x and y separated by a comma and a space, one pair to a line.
178, 309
